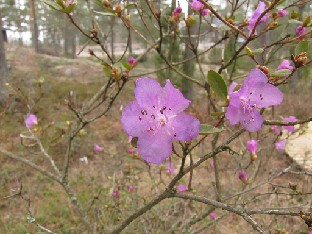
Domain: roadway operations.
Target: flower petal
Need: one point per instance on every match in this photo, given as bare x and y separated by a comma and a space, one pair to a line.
130, 119
185, 127
252, 124
155, 148
266, 95
174, 99
147, 93
233, 114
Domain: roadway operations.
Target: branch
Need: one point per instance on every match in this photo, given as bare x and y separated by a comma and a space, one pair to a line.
284, 123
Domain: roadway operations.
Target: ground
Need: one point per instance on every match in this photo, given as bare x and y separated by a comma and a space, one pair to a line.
114, 168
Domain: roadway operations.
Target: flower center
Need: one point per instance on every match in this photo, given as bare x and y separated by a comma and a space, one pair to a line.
248, 109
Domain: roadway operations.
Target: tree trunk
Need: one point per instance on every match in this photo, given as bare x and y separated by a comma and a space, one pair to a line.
34, 26
3, 65
188, 67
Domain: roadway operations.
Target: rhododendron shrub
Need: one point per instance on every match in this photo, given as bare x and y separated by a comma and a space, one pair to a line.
218, 94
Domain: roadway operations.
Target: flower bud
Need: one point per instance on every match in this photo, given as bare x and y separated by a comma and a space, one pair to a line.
107, 4
253, 157
91, 52
190, 21
300, 59
118, 10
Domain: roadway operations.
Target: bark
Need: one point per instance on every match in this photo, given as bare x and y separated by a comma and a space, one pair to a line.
69, 39
189, 67
3, 65
34, 25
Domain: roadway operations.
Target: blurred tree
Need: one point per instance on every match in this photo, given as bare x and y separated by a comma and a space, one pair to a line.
3, 64
34, 26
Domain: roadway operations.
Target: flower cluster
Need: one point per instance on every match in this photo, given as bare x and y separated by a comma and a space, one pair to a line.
156, 117
255, 93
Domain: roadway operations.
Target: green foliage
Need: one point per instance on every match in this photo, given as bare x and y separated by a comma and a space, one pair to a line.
206, 129
217, 84
303, 46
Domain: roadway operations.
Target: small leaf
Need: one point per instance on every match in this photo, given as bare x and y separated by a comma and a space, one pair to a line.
217, 84
131, 5
206, 129
281, 73
134, 142
258, 51
224, 27
303, 46
126, 65
105, 13
293, 21
52, 4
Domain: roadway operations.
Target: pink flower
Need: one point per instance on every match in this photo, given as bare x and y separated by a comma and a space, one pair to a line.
131, 151
212, 164
131, 61
255, 93
276, 129
281, 13
69, 2
242, 175
300, 31
170, 170
280, 145
177, 11
31, 120
130, 139
196, 5
285, 64
252, 146
116, 193
131, 188
256, 15
205, 12
290, 128
97, 148
156, 117
213, 215
181, 188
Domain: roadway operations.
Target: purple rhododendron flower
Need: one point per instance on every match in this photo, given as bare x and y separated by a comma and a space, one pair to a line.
300, 30
276, 129
242, 175
177, 11
281, 13
252, 146
197, 5
290, 128
31, 120
285, 64
182, 188
255, 93
280, 145
116, 193
205, 12
170, 170
156, 117
131, 61
97, 148
131, 188
213, 215
255, 16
